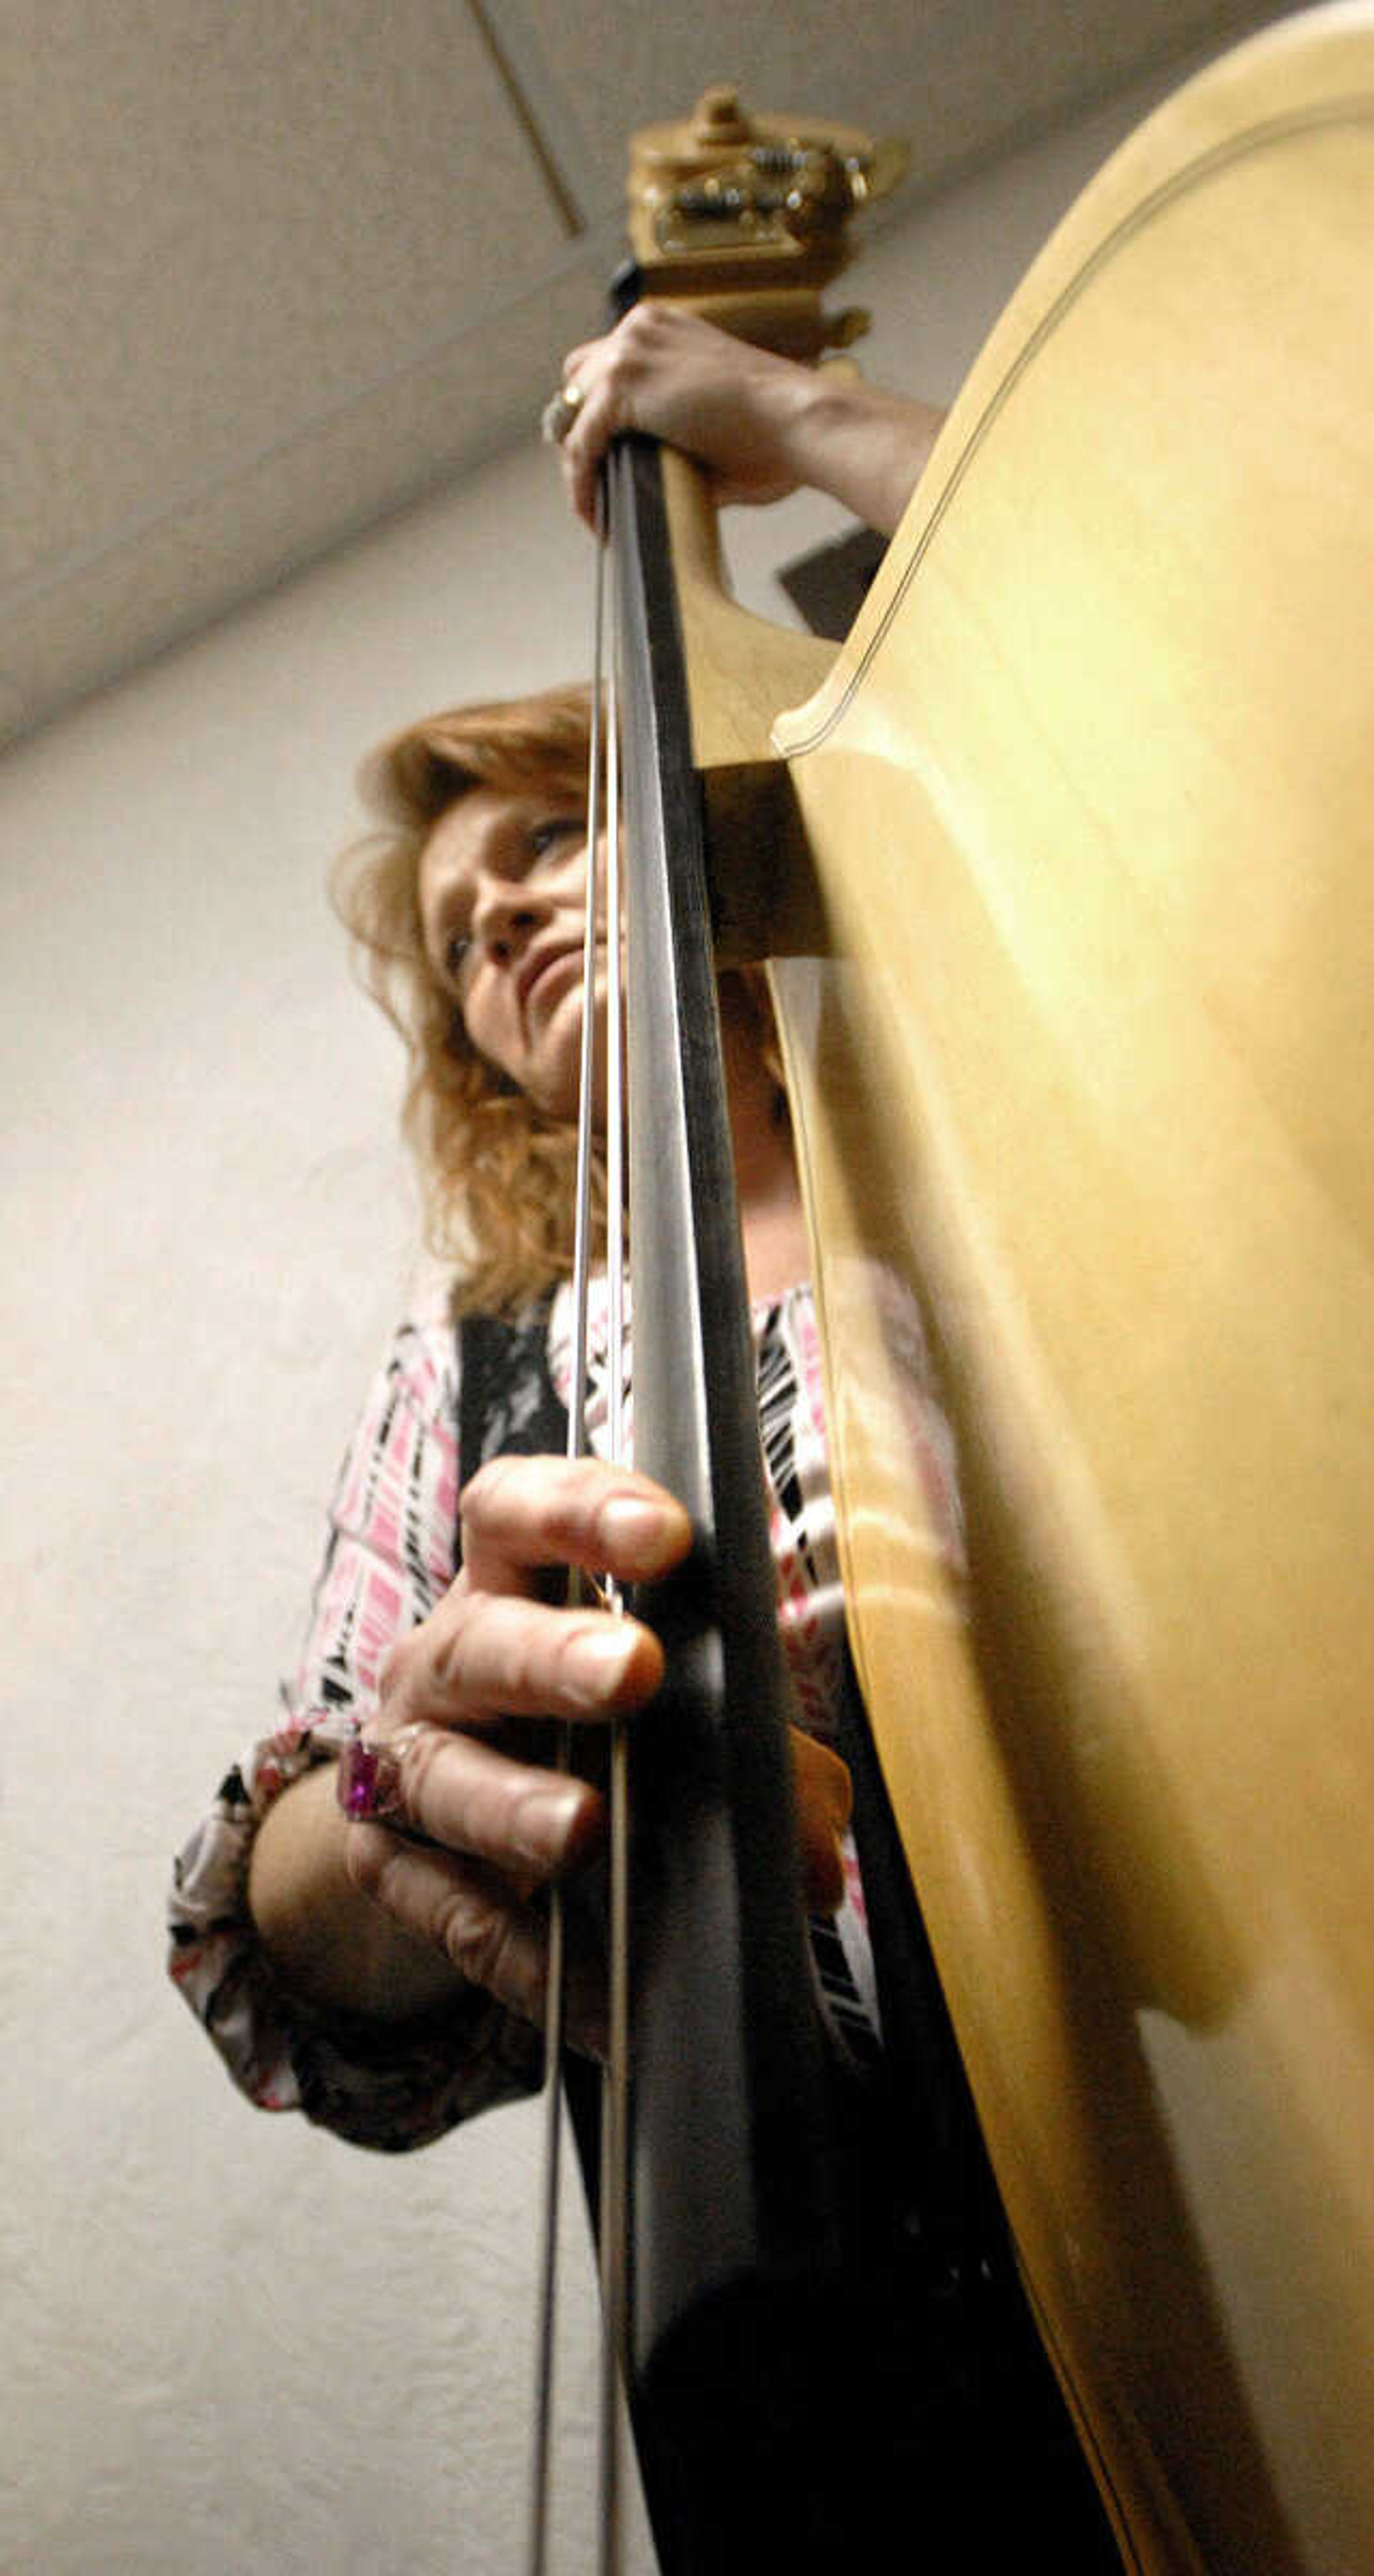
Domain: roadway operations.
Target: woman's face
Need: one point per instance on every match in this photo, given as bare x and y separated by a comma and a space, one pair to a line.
502, 892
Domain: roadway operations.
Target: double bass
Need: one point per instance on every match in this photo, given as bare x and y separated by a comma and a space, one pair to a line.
1072, 954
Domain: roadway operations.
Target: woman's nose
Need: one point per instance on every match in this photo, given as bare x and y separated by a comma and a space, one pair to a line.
504, 918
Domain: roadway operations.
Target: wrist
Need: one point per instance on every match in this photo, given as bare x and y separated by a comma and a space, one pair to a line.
864, 447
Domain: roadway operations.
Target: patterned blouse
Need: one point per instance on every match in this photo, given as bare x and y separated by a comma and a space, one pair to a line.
389, 1556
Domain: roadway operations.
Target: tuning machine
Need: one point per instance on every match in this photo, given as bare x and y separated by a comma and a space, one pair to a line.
724, 204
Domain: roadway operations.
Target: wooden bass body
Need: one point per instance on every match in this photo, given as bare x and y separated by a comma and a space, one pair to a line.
1088, 1069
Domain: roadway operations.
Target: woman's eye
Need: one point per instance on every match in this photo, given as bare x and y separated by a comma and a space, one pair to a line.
544, 837
456, 954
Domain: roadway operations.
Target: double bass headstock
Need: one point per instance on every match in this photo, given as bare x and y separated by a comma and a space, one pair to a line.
746, 217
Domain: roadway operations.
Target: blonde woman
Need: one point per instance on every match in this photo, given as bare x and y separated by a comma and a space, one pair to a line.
324, 1950
316, 1945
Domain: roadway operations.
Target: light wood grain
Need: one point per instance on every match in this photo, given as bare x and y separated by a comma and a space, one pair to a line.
1090, 797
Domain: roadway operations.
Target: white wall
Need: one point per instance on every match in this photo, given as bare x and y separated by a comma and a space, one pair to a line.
234, 2342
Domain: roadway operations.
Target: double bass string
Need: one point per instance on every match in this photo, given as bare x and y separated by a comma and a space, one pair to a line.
555, 1976
614, 2123
614, 2211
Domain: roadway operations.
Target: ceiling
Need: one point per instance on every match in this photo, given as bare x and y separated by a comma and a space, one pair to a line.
280, 267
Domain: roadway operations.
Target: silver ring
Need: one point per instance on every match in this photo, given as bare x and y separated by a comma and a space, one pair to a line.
559, 414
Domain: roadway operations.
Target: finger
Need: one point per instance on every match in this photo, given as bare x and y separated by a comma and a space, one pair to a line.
484, 1655
579, 482
576, 361
822, 1869
523, 1514
824, 1803
598, 419
478, 1923
480, 1803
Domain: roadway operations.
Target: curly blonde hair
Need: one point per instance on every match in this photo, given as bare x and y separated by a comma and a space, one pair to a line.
496, 1174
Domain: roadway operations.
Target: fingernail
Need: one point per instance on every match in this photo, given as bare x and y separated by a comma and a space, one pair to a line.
545, 1822
637, 1535
597, 1660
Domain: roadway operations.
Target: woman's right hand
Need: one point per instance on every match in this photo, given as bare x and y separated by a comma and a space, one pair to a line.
474, 1834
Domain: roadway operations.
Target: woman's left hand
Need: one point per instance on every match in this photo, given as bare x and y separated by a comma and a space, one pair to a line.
761, 425
666, 371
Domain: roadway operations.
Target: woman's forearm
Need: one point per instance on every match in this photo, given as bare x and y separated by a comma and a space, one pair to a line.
866, 448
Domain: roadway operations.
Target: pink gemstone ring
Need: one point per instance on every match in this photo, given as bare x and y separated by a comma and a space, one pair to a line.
369, 1782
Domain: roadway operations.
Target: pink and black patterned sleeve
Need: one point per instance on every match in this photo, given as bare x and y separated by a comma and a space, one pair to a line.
389, 1555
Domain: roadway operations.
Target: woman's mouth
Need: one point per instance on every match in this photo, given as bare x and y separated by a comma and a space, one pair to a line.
541, 974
